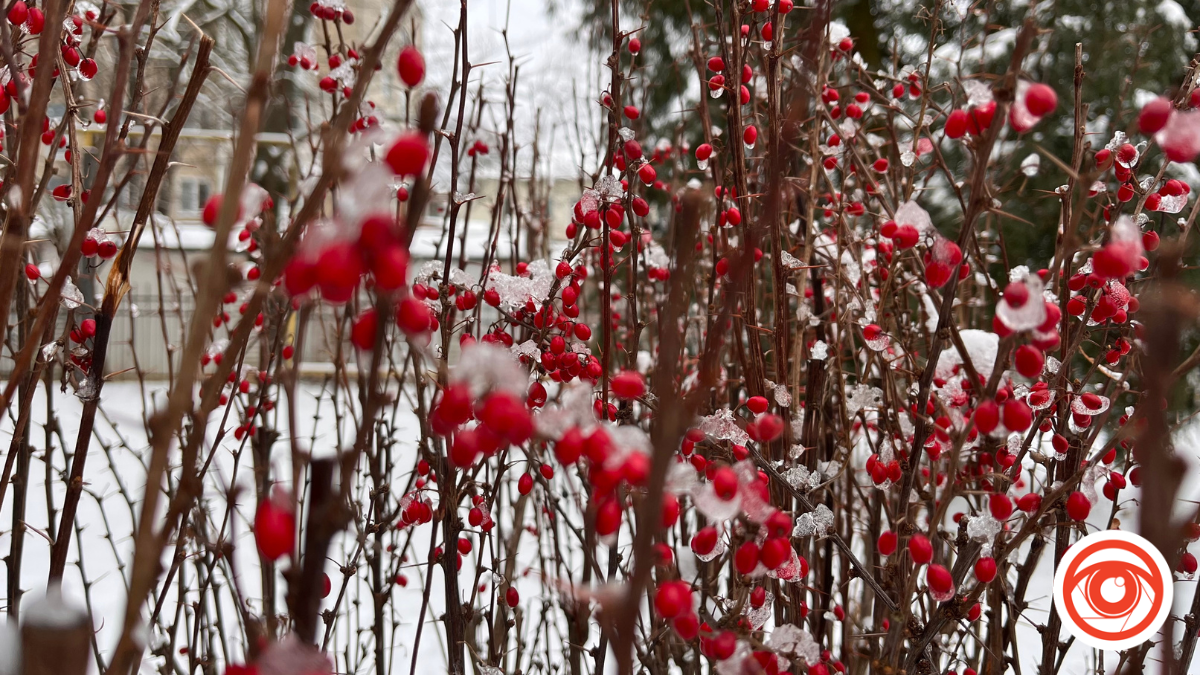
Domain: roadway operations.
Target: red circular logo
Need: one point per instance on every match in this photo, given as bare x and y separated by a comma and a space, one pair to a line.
1113, 590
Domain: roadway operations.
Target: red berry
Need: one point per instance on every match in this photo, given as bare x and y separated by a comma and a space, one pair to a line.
887, 543
1078, 506
409, 154
1040, 99
920, 549
274, 528
939, 579
985, 570
628, 385
1154, 115
1029, 361
411, 66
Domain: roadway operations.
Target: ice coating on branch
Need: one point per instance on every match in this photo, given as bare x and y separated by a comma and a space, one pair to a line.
609, 189
1029, 315
630, 438
486, 367
983, 528
910, 213
724, 426
681, 478
528, 349
851, 268
753, 505
1171, 203
862, 396
820, 350
1087, 485
759, 616
802, 479
790, 261
978, 92
71, 297
981, 347
780, 391
815, 523
589, 201
795, 641
515, 291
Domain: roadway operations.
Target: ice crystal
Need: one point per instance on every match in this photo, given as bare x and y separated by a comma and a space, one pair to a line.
712, 506
983, 528
758, 616
782, 397
487, 367
862, 396
515, 291
790, 261
814, 523
820, 350
1029, 315
609, 188
978, 92
71, 297
1031, 164
910, 213
795, 641
722, 425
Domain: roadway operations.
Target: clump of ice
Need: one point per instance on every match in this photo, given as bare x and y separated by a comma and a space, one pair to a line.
758, 616
1029, 315
981, 348
801, 478
983, 527
815, 523
795, 641
862, 396
488, 367
712, 506
911, 213
820, 350
780, 391
515, 291
722, 425
70, 297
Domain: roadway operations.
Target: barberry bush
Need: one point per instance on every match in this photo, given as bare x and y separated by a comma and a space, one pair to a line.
771, 398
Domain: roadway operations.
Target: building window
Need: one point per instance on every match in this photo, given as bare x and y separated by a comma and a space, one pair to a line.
193, 195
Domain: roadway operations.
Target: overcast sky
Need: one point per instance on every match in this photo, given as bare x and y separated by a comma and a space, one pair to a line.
550, 58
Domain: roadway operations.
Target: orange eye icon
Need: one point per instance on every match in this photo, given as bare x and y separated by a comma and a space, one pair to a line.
1113, 590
